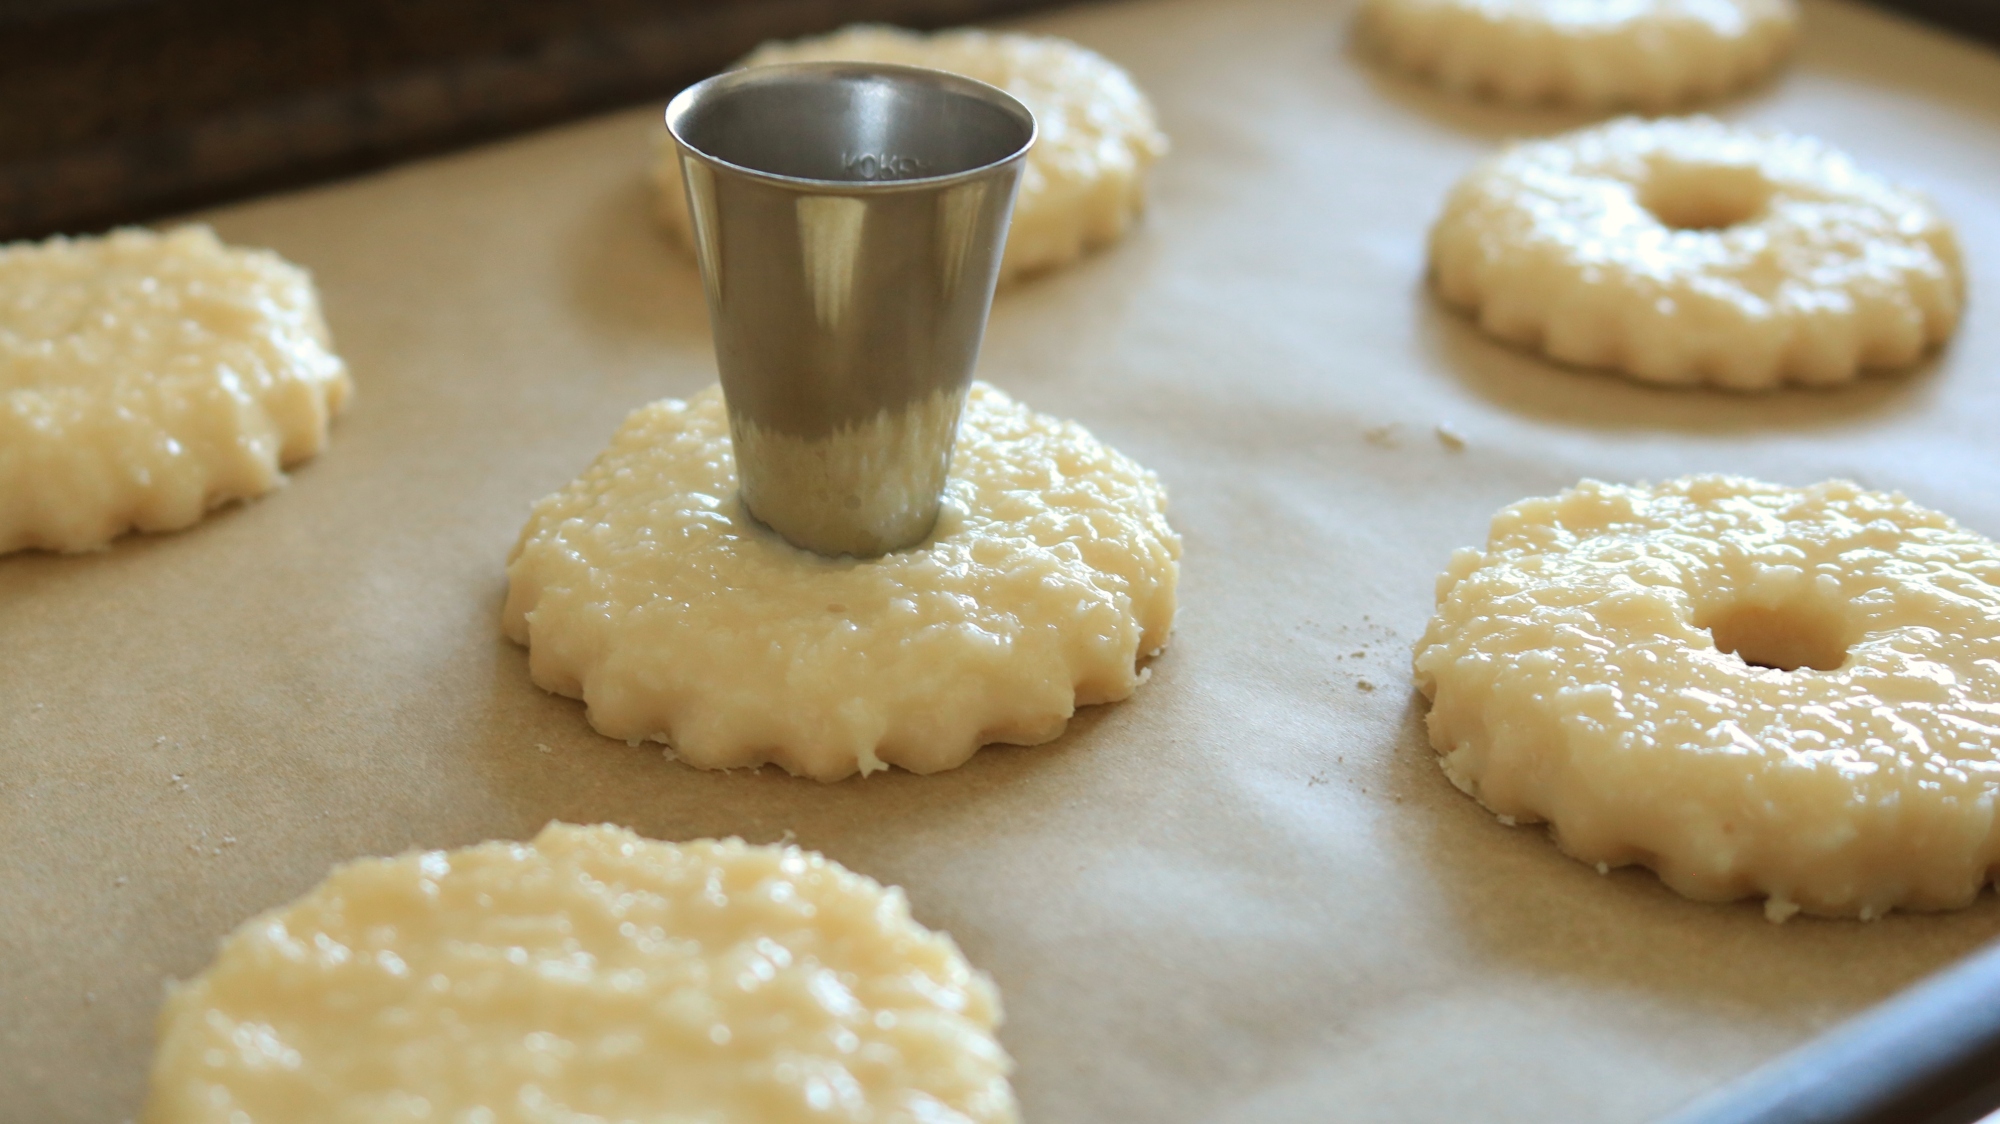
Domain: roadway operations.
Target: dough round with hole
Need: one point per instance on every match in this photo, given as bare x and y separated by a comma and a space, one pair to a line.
589, 975
146, 378
1651, 55
645, 589
1691, 251
1790, 693
1084, 182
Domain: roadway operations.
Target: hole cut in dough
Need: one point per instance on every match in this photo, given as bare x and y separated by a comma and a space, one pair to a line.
587, 975
1685, 195
1084, 184
146, 378
645, 589
1580, 671
1794, 636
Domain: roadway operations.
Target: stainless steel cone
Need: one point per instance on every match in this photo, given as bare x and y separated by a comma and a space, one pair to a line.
849, 219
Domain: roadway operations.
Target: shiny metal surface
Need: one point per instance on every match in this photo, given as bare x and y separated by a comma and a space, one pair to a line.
849, 219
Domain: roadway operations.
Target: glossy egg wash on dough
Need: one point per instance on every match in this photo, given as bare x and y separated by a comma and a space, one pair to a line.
1652, 55
1758, 691
1692, 251
146, 378
645, 589
588, 975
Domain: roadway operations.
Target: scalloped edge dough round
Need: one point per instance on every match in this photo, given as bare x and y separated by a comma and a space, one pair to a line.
1575, 677
1084, 184
645, 589
587, 975
1651, 55
146, 378
1785, 262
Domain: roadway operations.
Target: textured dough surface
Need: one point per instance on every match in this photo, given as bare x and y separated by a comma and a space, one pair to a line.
1575, 677
644, 589
1651, 55
1692, 251
1085, 179
146, 378
589, 975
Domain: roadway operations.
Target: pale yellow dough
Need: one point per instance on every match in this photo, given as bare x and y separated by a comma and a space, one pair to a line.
1691, 251
145, 378
644, 589
1652, 55
1575, 677
592, 977
1085, 179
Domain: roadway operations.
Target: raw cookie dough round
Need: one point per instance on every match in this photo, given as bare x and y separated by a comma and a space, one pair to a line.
1693, 251
145, 378
645, 589
1651, 55
1085, 179
590, 975
1612, 663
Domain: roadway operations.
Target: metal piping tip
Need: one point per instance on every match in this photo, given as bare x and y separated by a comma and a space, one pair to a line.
849, 219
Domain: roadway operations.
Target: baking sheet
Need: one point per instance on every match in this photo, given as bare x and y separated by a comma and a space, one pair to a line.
1245, 894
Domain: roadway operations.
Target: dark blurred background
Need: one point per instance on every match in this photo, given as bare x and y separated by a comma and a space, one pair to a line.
121, 110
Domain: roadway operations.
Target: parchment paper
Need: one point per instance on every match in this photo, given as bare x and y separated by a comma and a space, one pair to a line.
1247, 893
